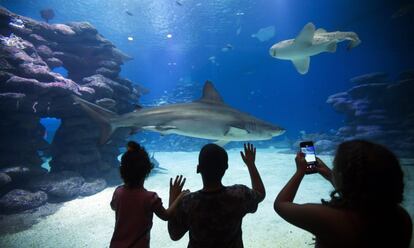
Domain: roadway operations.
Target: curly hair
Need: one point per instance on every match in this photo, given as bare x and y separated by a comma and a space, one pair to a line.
367, 176
135, 165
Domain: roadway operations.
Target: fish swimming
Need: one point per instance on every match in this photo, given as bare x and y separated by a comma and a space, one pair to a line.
207, 118
265, 34
311, 42
47, 14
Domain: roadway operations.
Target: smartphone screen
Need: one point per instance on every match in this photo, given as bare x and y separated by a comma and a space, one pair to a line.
309, 152
308, 149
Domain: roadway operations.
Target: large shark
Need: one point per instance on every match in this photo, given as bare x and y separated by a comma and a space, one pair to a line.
207, 118
311, 42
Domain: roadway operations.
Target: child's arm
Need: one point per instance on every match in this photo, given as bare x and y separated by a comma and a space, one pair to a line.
114, 199
249, 157
176, 194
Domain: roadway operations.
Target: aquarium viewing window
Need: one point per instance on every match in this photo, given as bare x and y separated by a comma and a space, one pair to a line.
99, 99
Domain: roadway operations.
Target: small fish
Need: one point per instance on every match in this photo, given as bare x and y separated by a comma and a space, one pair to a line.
238, 31
265, 34
128, 13
227, 48
179, 3
47, 14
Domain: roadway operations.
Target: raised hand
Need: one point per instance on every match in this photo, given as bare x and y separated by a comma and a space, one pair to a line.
176, 188
323, 169
249, 155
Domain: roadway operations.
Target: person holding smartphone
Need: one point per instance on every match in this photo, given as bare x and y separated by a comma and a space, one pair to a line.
364, 209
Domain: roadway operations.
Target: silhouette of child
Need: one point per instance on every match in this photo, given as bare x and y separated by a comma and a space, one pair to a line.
213, 215
134, 205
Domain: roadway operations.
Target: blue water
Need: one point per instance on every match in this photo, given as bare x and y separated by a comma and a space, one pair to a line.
247, 77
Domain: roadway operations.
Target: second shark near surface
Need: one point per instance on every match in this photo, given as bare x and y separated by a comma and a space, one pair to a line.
207, 118
311, 42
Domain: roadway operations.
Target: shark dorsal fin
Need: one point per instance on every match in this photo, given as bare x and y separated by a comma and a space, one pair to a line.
305, 36
210, 94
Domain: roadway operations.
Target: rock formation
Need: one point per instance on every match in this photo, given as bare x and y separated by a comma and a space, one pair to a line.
30, 90
378, 109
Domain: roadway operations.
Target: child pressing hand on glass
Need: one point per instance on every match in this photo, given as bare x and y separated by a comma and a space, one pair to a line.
134, 205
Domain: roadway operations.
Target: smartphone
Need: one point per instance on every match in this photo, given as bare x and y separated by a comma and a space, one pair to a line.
308, 149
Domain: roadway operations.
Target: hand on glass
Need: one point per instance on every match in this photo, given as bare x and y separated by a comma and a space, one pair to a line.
249, 155
176, 188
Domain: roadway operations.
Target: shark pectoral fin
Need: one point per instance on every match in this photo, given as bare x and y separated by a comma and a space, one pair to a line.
305, 36
221, 142
331, 47
320, 30
302, 65
235, 132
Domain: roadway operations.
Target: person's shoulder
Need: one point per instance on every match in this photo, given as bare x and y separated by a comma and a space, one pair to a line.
238, 190
405, 216
119, 189
191, 196
149, 193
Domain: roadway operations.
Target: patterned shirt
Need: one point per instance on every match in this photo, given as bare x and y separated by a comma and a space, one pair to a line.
214, 219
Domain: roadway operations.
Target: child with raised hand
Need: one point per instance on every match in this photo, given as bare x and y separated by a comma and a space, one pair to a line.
213, 215
134, 205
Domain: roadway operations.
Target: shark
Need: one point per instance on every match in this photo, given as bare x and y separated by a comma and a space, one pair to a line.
310, 42
208, 118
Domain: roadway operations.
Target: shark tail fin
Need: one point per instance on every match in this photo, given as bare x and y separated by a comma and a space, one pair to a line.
101, 115
331, 47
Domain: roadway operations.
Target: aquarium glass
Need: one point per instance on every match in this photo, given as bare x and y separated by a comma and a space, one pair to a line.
81, 78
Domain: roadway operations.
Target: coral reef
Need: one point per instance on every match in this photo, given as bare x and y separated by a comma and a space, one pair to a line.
378, 108
30, 89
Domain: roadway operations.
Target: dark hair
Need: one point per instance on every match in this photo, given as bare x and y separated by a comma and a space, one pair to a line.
212, 162
135, 165
367, 177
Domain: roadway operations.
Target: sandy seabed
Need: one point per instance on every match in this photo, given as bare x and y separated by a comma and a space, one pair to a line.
89, 221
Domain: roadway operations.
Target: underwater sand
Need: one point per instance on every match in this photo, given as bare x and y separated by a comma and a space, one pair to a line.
89, 222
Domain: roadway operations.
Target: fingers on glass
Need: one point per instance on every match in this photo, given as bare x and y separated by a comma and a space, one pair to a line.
182, 183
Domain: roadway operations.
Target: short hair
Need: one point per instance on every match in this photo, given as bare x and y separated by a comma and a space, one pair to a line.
213, 162
135, 164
